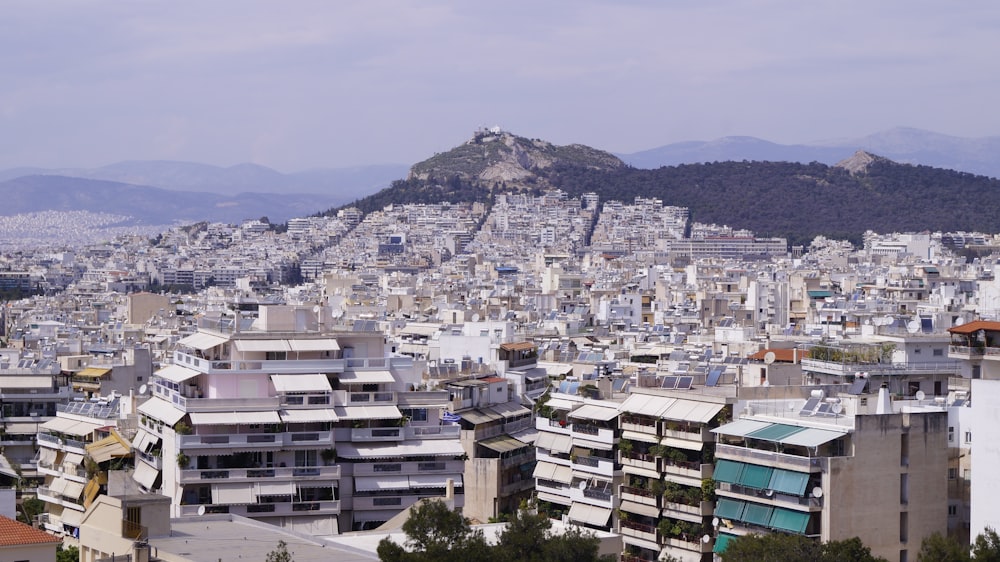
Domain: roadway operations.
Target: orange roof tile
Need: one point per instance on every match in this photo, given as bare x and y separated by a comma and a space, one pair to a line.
975, 326
781, 355
15, 533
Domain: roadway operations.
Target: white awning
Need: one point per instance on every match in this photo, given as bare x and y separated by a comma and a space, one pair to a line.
692, 411
301, 383
22, 382
554, 442
143, 440
811, 437
70, 427
594, 412
202, 341
57, 486
145, 474
233, 493
24, 428
590, 514
639, 436
740, 428
71, 517
420, 329
237, 418
46, 455
434, 480
641, 509
678, 443
176, 373
325, 344
587, 443
646, 404
261, 345
366, 377
161, 410
308, 416
73, 489
367, 412
73, 459
275, 488
375, 483
560, 404
429, 447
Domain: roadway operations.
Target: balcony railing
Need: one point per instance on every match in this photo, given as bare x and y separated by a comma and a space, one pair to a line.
778, 460
189, 476
325, 507
262, 440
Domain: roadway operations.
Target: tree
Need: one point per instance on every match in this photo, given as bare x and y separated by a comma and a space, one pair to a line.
779, 547
67, 554
279, 554
529, 538
435, 532
939, 548
986, 547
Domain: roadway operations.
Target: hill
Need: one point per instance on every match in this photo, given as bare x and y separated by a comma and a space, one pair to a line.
149, 205
902, 144
792, 200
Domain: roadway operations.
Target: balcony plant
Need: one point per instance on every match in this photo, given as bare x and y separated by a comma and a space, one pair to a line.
182, 428
329, 456
183, 460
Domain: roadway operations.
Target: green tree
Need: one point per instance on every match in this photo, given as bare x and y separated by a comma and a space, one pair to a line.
779, 547
986, 547
529, 538
67, 554
939, 548
279, 554
436, 533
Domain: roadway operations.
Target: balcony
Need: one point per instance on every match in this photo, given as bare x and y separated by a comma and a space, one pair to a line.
639, 530
191, 476
593, 432
284, 509
770, 458
309, 439
640, 495
695, 434
685, 512
275, 367
692, 544
597, 465
639, 460
384, 502
638, 424
694, 472
553, 426
376, 434
771, 497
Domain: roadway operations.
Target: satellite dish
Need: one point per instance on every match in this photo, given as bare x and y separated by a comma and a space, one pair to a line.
143, 389
913, 326
769, 357
475, 317
316, 309
837, 408
715, 521
337, 313
920, 395
201, 510
959, 321
582, 485
817, 492
768, 493
706, 539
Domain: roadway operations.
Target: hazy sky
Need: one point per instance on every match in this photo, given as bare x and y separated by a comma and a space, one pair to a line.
296, 85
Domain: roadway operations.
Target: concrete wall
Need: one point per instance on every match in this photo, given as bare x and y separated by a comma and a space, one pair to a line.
985, 455
29, 552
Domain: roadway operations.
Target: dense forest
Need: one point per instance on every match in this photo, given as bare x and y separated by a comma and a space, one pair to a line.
795, 201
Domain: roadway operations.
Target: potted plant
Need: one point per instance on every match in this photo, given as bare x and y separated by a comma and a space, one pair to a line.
183, 460
329, 456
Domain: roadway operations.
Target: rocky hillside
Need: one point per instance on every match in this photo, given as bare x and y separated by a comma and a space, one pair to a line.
498, 157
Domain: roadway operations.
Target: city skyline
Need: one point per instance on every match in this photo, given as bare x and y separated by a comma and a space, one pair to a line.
334, 85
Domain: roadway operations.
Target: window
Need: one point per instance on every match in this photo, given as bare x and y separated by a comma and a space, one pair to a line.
903, 529
939, 352
916, 351
952, 510
951, 433
968, 437
952, 473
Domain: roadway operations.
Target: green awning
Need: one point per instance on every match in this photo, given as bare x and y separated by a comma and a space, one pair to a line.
819, 294
728, 471
729, 509
757, 514
788, 520
775, 432
756, 476
789, 482
722, 542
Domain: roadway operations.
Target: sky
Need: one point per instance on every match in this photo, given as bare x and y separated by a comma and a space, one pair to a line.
295, 85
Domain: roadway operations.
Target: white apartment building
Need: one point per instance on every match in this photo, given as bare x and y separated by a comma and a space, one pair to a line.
300, 428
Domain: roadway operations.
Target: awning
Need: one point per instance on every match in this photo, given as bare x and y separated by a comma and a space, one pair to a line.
477, 416
375, 483
755, 476
740, 428
24, 428
586, 443
275, 488
728, 471
73, 459
92, 373
261, 346
325, 344
71, 517
646, 404
417, 447
366, 377
692, 411
638, 436
590, 514
145, 474
20, 382
237, 418
301, 383
789, 482
161, 410
202, 341
433, 480
57, 486
367, 412
641, 509
46, 455
593, 412
308, 416
176, 373
107, 449
552, 471
788, 520
729, 509
758, 514
775, 432
722, 542
678, 443
560, 404
143, 440
554, 442
70, 427
73, 489
233, 493
811, 437
502, 444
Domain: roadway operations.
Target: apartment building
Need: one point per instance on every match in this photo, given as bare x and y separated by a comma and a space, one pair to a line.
296, 427
833, 467
29, 394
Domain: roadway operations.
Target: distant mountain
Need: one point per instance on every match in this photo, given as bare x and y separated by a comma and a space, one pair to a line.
901, 144
151, 205
342, 184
